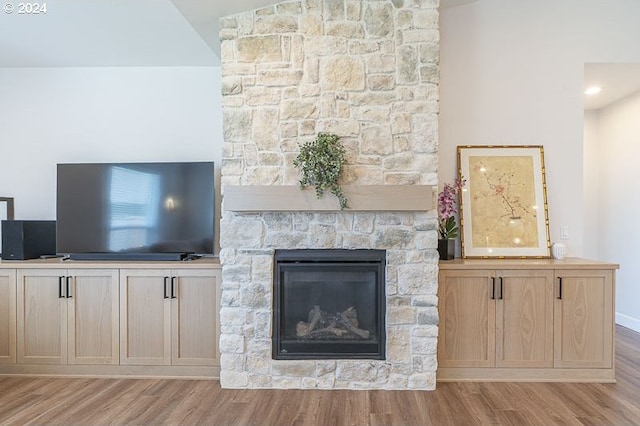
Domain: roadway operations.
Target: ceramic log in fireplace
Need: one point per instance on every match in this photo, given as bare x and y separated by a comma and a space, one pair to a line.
329, 304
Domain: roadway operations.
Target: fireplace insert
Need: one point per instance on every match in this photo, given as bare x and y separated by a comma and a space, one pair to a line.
329, 304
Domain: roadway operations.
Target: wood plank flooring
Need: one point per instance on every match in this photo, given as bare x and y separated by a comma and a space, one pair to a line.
82, 401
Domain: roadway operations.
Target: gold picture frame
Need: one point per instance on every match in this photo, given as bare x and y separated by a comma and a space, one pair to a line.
503, 205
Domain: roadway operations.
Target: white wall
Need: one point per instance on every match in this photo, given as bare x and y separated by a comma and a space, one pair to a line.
617, 131
54, 115
512, 73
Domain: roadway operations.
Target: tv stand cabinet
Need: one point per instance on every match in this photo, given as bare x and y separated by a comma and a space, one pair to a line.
526, 320
108, 318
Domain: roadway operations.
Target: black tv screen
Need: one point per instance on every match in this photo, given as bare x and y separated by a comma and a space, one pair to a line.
116, 210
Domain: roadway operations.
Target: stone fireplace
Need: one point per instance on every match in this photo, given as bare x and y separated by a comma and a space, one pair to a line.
368, 72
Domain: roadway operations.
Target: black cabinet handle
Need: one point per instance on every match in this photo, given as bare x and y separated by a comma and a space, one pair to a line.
173, 287
493, 288
501, 290
60, 295
68, 279
166, 283
559, 288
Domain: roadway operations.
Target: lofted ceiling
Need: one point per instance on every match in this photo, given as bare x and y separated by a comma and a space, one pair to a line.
112, 33
105, 33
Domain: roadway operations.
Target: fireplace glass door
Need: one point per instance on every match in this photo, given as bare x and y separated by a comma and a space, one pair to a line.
329, 304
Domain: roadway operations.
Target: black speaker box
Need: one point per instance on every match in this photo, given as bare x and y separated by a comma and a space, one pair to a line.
28, 239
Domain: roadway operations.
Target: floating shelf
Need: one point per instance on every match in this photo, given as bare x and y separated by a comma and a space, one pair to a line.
255, 198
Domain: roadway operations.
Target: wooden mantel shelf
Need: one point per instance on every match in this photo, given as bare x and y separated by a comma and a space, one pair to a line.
255, 198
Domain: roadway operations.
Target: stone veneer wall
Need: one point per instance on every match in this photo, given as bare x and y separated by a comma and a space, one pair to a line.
367, 71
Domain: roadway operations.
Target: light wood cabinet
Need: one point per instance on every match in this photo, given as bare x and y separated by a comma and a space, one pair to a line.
584, 325
169, 316
534, 320
67, 316
500, 318
8, 316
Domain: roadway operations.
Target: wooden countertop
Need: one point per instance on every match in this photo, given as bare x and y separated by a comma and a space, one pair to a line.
567, 263
59, 263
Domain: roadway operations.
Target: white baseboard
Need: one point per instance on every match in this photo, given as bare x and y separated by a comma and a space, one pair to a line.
627, 321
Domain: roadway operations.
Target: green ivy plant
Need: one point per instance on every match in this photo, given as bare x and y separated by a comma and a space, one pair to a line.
320, 162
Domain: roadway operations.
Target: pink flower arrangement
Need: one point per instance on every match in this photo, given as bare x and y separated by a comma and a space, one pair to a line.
447, 209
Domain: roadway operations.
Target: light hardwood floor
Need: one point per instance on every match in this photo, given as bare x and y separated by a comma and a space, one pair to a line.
66, 401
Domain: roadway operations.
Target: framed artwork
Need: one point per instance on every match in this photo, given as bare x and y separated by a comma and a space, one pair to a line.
6, 213
503, 206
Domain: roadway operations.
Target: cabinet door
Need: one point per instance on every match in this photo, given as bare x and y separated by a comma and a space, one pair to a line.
524, 319
145, 317
93, 316
467, 319
195, 310
584, 323
42, 317
7, 316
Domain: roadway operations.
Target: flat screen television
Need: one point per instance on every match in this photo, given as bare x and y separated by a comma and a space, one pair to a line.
135, 211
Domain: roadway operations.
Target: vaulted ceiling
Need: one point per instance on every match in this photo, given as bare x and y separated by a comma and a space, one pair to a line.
98, 33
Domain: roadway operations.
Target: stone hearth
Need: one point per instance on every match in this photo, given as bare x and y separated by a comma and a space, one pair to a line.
367, 71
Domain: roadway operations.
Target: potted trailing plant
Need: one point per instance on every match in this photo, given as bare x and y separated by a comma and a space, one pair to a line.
320, 162
447, 225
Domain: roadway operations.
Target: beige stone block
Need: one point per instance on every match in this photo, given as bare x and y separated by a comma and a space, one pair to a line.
236, 125
228, 34
398, 344
311, 25
430, 74
299, 109
402, 178
288, 129
378, 20
231, 344
381, 82
361, 47
404, 19
263, 48
420, 36
262, 96
363, 175
228, 22
334, 10
289, 8
276, 24
307, 128
227, 51
344, 29
423, 381
279, 78
376, 140
233, 380
401, 316
373, 113
270, 159
341, 127
238, 69
266, 11
430, 53
325, 46
231, 86
344, 73
407, 71
293, 368
232, 166
381, 63
262, 176
371, 98
426, 19
265, 128
354, 10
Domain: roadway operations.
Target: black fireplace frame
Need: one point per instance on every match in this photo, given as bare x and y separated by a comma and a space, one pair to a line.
290, 259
